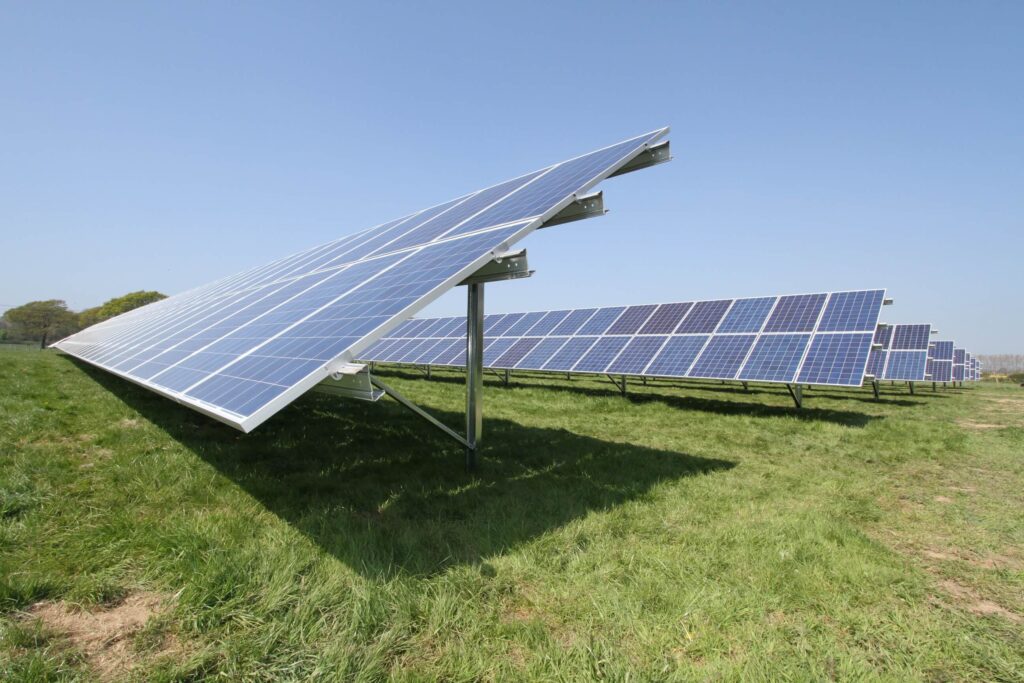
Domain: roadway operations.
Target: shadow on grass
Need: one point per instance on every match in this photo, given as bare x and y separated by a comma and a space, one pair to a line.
638, 393
384, 492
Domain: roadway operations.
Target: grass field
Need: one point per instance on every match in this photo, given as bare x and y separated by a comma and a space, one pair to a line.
683, 533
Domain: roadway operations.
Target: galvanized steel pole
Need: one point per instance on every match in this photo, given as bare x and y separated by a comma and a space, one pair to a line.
474, 371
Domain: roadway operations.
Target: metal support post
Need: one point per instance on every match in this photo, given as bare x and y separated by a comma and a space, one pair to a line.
474, 370
935, 387
797, 392
875, 388
620, 386
746, 387
508, 375
911, 385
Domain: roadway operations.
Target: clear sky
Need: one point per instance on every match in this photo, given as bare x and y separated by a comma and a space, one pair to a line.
817, 147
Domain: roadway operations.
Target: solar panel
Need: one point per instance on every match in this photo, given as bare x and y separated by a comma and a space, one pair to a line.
836, 359
959, 355
242, 348
720, 339
775, 358
904, 356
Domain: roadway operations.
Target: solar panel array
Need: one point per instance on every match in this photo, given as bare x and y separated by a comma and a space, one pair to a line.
903, 355
242, 348
808, 339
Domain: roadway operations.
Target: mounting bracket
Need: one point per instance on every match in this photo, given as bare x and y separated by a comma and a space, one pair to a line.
587, 206
652, 156
796, 391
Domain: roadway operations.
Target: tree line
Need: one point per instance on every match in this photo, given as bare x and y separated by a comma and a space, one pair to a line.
50, 320
1002, 362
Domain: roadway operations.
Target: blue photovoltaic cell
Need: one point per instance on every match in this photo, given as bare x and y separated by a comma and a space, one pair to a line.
775, 358
516, 352
907, 366
411, 352
958, 373
601, 354
548, 323
704, 317
747, 315
958, 356
457, 328
574, 321
450, 346
943, 350
541, 353
636, 355
631, 320
396, 350
431, 351
502, 325
722, 357
435, 329
570, 353
876, 363
666, 318
941, 371
491, 320
456, 356
911, 337
883, 335
676, 357
524, 324
797, 313
495, 349
838, 358
601, 321
851, 311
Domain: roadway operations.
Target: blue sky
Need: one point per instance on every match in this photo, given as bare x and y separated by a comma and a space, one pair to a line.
816, 146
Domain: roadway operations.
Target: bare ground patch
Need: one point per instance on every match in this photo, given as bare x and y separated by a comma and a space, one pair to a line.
104, 636
970, 600
978, 426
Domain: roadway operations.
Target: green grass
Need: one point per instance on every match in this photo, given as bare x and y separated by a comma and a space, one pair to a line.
687, 532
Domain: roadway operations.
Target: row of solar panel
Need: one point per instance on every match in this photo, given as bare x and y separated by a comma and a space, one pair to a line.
836, 359
768, 339
845, 312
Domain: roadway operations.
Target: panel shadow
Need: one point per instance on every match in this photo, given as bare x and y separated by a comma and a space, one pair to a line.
386, 493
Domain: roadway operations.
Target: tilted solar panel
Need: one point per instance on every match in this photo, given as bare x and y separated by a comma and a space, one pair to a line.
959, 356
764, 339
242, 348
905, 353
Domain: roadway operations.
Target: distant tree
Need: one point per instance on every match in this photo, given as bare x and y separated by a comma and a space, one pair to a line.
42, 320
117, 306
